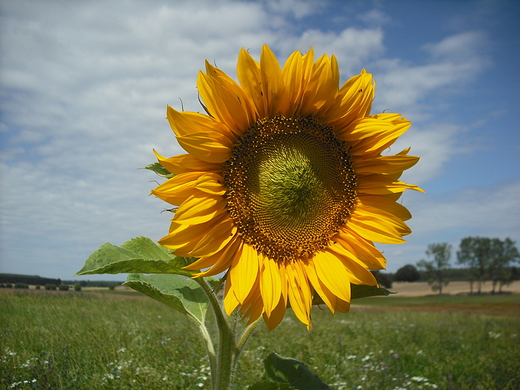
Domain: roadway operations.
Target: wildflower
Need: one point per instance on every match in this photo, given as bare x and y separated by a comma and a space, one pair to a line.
284, 185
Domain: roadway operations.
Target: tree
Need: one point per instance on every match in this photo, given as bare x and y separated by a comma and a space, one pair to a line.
475, 252
436, 268
502, 255
407, 273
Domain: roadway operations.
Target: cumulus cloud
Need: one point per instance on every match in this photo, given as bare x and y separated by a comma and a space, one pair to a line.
447, 66
476, 211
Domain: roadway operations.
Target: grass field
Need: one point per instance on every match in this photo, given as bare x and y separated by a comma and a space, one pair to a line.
71, 340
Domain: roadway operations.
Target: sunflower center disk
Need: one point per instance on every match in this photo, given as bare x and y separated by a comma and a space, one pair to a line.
290, 186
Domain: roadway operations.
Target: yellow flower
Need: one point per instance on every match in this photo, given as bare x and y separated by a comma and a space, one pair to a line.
284, 185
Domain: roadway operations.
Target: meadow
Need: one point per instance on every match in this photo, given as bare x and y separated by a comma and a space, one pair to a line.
79, 340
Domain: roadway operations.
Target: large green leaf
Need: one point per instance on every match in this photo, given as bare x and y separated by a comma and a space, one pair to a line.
159, 170
359, 291
181, 293
139, 255
292, 372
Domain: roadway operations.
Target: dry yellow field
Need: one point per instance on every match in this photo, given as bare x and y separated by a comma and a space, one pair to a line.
417, 289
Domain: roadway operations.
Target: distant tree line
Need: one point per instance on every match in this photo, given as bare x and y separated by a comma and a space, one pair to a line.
482, 259
41, 281
28, 279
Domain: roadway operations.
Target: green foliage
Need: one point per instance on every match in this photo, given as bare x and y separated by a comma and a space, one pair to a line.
183, 294
159, 170
270, 385
8, 285
436, 268
407, 273
21, 285
112, 343
139, 255
292, 372
37, 287
50, 286
383, 279
77, 287
29, 279
488, 258
63, 287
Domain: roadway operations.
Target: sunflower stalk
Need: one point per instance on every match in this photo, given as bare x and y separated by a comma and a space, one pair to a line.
221, 370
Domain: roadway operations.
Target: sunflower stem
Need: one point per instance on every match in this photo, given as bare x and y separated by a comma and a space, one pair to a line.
221, 377
243, 339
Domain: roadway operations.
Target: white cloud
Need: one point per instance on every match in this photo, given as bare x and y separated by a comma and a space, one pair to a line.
478, 211
450, 64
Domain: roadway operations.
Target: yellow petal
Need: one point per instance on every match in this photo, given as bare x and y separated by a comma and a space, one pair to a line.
272, 81
354, 100
326, 295
229, 84
221, 261
382, 185
299, 293
292, 74
230, 300
383, 217
199, 209
357, 273
177, 189
362, 250
211, 183
220, 103
332, 273
181, 235
214, 240
244, 272
186, 122
387, 204
248, 73
374, 230
186, 163
384, 164
273, 319
379, 142
270, 284
210, 147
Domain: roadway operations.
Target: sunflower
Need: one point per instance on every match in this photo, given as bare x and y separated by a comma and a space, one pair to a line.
284, 186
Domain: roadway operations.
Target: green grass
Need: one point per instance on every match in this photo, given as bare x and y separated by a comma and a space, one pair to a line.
71, 340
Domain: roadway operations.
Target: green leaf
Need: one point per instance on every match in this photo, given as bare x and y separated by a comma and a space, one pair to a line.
269, 385
359, 291
293, 372
159, 170
181, 293
139, 255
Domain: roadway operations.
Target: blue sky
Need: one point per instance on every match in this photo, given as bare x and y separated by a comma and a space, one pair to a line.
84, 86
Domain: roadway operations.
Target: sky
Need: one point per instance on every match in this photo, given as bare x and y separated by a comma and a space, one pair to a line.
84, 88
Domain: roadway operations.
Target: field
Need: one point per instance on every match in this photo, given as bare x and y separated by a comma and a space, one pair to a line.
119, 340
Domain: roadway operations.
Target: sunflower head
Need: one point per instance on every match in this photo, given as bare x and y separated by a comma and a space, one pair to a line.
284, 185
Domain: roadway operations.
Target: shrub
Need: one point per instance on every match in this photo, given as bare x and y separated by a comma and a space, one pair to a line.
63, 287
21, 285
8, 285
407, 273
37, 287
382, 279
50, 286
77, 287
2, 285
